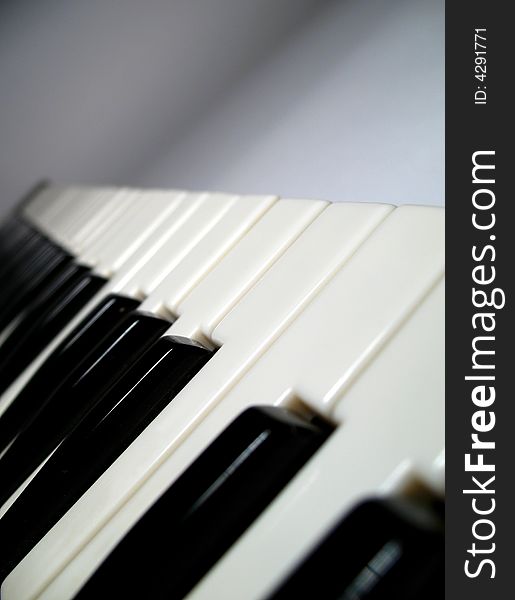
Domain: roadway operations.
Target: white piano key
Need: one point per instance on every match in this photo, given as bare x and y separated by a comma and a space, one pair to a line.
138, 223
65, 211
102, 217
391, 420
208, 303
198, 214
295, 278
240, 210
83, 220
51, 209
43, 205
361, 308
81, 205
217, 242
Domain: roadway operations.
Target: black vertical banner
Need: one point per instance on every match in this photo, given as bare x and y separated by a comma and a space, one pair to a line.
480, 247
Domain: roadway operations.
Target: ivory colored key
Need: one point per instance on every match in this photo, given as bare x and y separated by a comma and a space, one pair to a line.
81, 213
71, 215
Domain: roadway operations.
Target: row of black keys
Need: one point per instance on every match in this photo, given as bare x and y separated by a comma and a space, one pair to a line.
97, 391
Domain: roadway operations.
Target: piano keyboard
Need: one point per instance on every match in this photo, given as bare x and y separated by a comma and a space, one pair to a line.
220, 396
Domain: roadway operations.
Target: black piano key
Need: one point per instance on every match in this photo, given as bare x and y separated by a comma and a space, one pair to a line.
107, 430
64, 410
52, 374
384, 549
15, 234
16, 296
57, 286
34, 250
45, 322
10, 229
205, 511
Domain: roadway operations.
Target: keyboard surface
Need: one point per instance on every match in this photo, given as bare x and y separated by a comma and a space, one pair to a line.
220, 396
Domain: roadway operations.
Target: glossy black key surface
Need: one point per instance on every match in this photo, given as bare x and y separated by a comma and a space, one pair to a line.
21, 243
98, 440
56, 287
383, 549
65, 359
209, 506
45, 322
16, 296
10, 230
111, 359
35, 252
15, 235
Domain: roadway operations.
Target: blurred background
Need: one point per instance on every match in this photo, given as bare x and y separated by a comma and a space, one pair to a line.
339, 100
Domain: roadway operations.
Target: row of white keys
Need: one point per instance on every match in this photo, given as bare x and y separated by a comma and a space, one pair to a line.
157, 259
54, 211
37, 213
46, 207
100, 226
111, 249
59, 212
204, 228
101, 217
267, 240
193, 216
293, 280
200, 258
77, 209
137, 224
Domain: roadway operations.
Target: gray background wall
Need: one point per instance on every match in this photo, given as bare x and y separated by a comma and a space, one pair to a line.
341, 100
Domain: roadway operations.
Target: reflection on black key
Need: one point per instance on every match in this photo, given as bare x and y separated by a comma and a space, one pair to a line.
110, 427
384, 549
29, 281
41, 326
22, 250
56, 288
16, 237
211, 504
34, 254
65, 359
11, 230
112, 358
